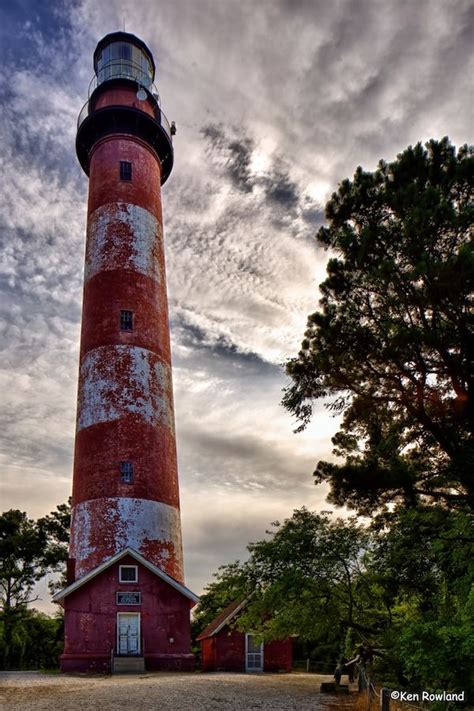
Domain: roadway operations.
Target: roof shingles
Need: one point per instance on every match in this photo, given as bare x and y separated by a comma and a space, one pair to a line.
223, 618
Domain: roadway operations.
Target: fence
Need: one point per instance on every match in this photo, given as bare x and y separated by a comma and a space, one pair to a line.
371, 697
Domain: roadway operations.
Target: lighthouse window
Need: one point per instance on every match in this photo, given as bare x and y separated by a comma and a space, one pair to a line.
126, 472
125, 170
128, 574
125, 51
126, 320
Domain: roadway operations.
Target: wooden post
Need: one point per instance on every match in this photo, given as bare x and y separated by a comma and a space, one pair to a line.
371, 692
307, 665
385, 699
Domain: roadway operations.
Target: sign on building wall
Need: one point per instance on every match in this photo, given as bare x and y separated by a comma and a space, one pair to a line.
129, 598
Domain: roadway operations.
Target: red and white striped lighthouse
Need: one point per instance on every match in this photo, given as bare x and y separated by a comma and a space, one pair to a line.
126, 520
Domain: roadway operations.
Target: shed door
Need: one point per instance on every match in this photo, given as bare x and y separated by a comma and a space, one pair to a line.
128, 632
253, 655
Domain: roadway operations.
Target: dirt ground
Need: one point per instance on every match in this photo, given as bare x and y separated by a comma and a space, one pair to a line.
32, 691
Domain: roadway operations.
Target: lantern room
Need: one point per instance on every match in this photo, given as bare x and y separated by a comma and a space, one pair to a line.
122, 55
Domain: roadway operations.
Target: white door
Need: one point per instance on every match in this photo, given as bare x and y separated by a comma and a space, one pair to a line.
128, 633
253, 654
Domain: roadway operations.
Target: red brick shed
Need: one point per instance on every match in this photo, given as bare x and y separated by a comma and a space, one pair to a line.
227, 649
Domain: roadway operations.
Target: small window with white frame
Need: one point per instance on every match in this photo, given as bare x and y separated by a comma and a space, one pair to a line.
128, 573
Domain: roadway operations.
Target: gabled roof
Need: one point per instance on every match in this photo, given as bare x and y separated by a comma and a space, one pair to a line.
222, 619
59, 596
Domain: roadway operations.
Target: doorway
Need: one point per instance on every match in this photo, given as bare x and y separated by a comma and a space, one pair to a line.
253, 654
128, 633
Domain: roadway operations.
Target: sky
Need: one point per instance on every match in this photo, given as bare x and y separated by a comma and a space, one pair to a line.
275, 102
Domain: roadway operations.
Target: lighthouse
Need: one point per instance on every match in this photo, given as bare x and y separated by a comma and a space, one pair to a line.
126, 605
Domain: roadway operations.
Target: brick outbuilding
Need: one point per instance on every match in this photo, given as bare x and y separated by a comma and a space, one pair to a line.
226, 649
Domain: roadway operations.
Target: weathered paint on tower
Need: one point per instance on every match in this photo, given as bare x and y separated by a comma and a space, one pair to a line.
125, 402
125, 482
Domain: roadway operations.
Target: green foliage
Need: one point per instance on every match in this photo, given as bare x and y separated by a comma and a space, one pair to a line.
302, 580
22, 557
310, 563
36, 641
438, 655
391, 347
423, 559
28, 551
402, 584
56, 526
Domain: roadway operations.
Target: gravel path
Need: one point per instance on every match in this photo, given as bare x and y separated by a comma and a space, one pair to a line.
32, 691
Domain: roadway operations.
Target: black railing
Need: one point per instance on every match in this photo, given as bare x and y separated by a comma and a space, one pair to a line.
159, 117
152, 126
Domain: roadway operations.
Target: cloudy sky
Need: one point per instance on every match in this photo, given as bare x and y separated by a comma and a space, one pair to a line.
275, 101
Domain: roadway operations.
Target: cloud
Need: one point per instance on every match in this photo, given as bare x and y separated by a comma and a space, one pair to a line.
234, 154
275, 103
